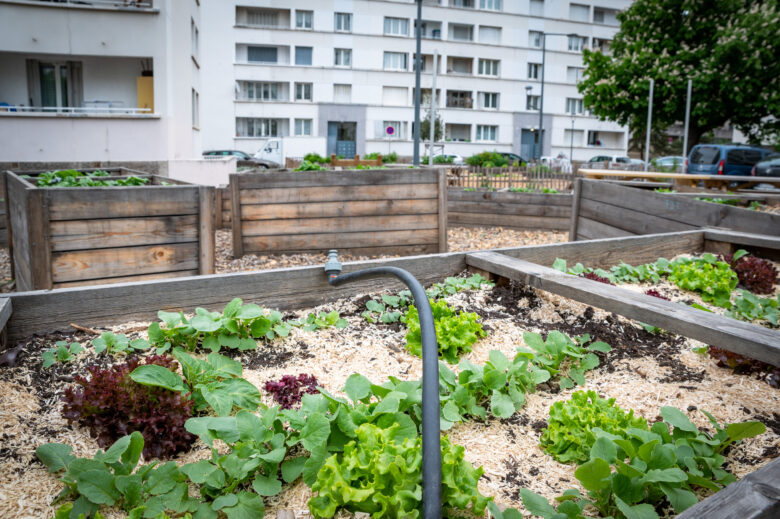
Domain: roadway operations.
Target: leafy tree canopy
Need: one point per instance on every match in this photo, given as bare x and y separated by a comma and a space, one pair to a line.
728, 48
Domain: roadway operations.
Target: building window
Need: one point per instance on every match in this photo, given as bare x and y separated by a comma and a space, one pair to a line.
395, 96
574, 74
262, 17
395, 61
303, 55
396, 26
262, 54
490, 5
342, 22
461, 32
593, 138
488, 100
532, 103
573, 106
488, 67
304, 19
535, 39
576, 43
342, 93
194, 36
397, 129
489, 34
533, 70
343, 57
303, 127
486, 133
536, 8
459, 99
260, 91
254, 127
303, 91
579, 12
195, 109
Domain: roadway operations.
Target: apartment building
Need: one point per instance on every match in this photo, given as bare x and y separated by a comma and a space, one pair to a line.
339, 75
99, 81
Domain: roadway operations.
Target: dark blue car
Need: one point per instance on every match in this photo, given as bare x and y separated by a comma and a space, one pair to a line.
724, 159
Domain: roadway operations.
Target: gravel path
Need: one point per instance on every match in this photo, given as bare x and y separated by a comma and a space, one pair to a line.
459, 239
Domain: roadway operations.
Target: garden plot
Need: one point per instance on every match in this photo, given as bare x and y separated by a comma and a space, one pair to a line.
644, 371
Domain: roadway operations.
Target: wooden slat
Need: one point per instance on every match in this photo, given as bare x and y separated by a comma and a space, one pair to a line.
508, 196
501, 220
691, 212
575, 209
338, 193
112, 202
128, 279
593, 229
124, 261
629, 220
324, 242
710, 328
302, 287
40, 248
206, 231
280, 179
235, 216
330, 209
19, 244
505, 208
604, 253
122, 232
743, 238
756, 496
442, 211
337, 225
6, 307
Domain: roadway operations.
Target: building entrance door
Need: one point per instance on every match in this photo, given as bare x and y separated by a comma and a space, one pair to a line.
529, 147
341, 138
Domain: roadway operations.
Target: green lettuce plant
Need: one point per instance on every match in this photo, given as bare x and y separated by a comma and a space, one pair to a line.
713, 279
455, 331
559, 350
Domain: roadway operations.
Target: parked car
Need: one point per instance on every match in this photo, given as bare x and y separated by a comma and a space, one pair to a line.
512, 158
672, 162
769, 167
611, 161
724, 159
456, 159
244, 159
639, 163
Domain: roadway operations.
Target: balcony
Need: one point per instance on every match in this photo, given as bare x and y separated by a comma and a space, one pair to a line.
456, 65
427, 64
263, 18
75, 86
100, 4
262, 91
262, 54
602, 45
605, 16
468, 4
461, 32
459, 99
430, 30
457, 132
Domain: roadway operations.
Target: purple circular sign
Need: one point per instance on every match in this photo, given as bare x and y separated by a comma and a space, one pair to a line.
390, 130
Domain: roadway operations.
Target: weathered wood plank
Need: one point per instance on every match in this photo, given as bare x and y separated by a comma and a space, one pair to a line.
575, 209
339, 240
338, 225
302, 287
129, 279
38, 228
512, 222
504, 208
6, 307
714, 329
509, 197
18, 242
206, 231
443, 213
282, 179
691, 212
606, 252
742, 238
756, 496
114, 202
123, 261
338, 193
235, 216
594, 229
625, 218
273, 211
122, 232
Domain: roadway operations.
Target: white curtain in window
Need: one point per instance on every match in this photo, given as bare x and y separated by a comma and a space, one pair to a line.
489, 34
262, 18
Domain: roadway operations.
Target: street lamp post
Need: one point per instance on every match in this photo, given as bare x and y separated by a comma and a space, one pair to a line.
541, 97
571, 144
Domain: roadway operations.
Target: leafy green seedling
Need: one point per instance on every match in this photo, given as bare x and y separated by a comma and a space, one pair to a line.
118, 343
63, 352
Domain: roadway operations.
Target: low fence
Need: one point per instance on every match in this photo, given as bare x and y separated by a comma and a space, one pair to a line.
364, 212
67, 237
539, 179
336, 162
606, 210
509, 210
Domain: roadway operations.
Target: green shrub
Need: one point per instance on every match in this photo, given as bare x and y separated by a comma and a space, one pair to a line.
487, 159
316, 158
310, 166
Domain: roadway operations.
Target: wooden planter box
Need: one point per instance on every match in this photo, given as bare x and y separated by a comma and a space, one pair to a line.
508, 209
64, 237
388, 211
754, 497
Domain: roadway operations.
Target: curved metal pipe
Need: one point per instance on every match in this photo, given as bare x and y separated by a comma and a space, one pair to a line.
431, 435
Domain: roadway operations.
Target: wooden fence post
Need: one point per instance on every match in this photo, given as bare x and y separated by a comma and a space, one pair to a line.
40, 250
206, 229
235, 216
442, 210
575, 209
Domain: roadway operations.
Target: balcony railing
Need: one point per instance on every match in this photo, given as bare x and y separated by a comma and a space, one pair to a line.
459, 102
74, 110
141, 4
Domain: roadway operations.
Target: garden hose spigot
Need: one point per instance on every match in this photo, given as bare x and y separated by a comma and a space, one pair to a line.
333, 265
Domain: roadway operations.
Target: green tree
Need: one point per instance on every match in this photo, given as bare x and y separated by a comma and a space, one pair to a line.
425, 128
728, 48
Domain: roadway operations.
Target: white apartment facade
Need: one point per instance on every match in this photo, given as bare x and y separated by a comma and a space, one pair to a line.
338, 73
99, 81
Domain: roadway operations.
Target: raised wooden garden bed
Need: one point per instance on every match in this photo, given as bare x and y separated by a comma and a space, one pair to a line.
606, 210
366, 212
643, 371
508, 209
62, 237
